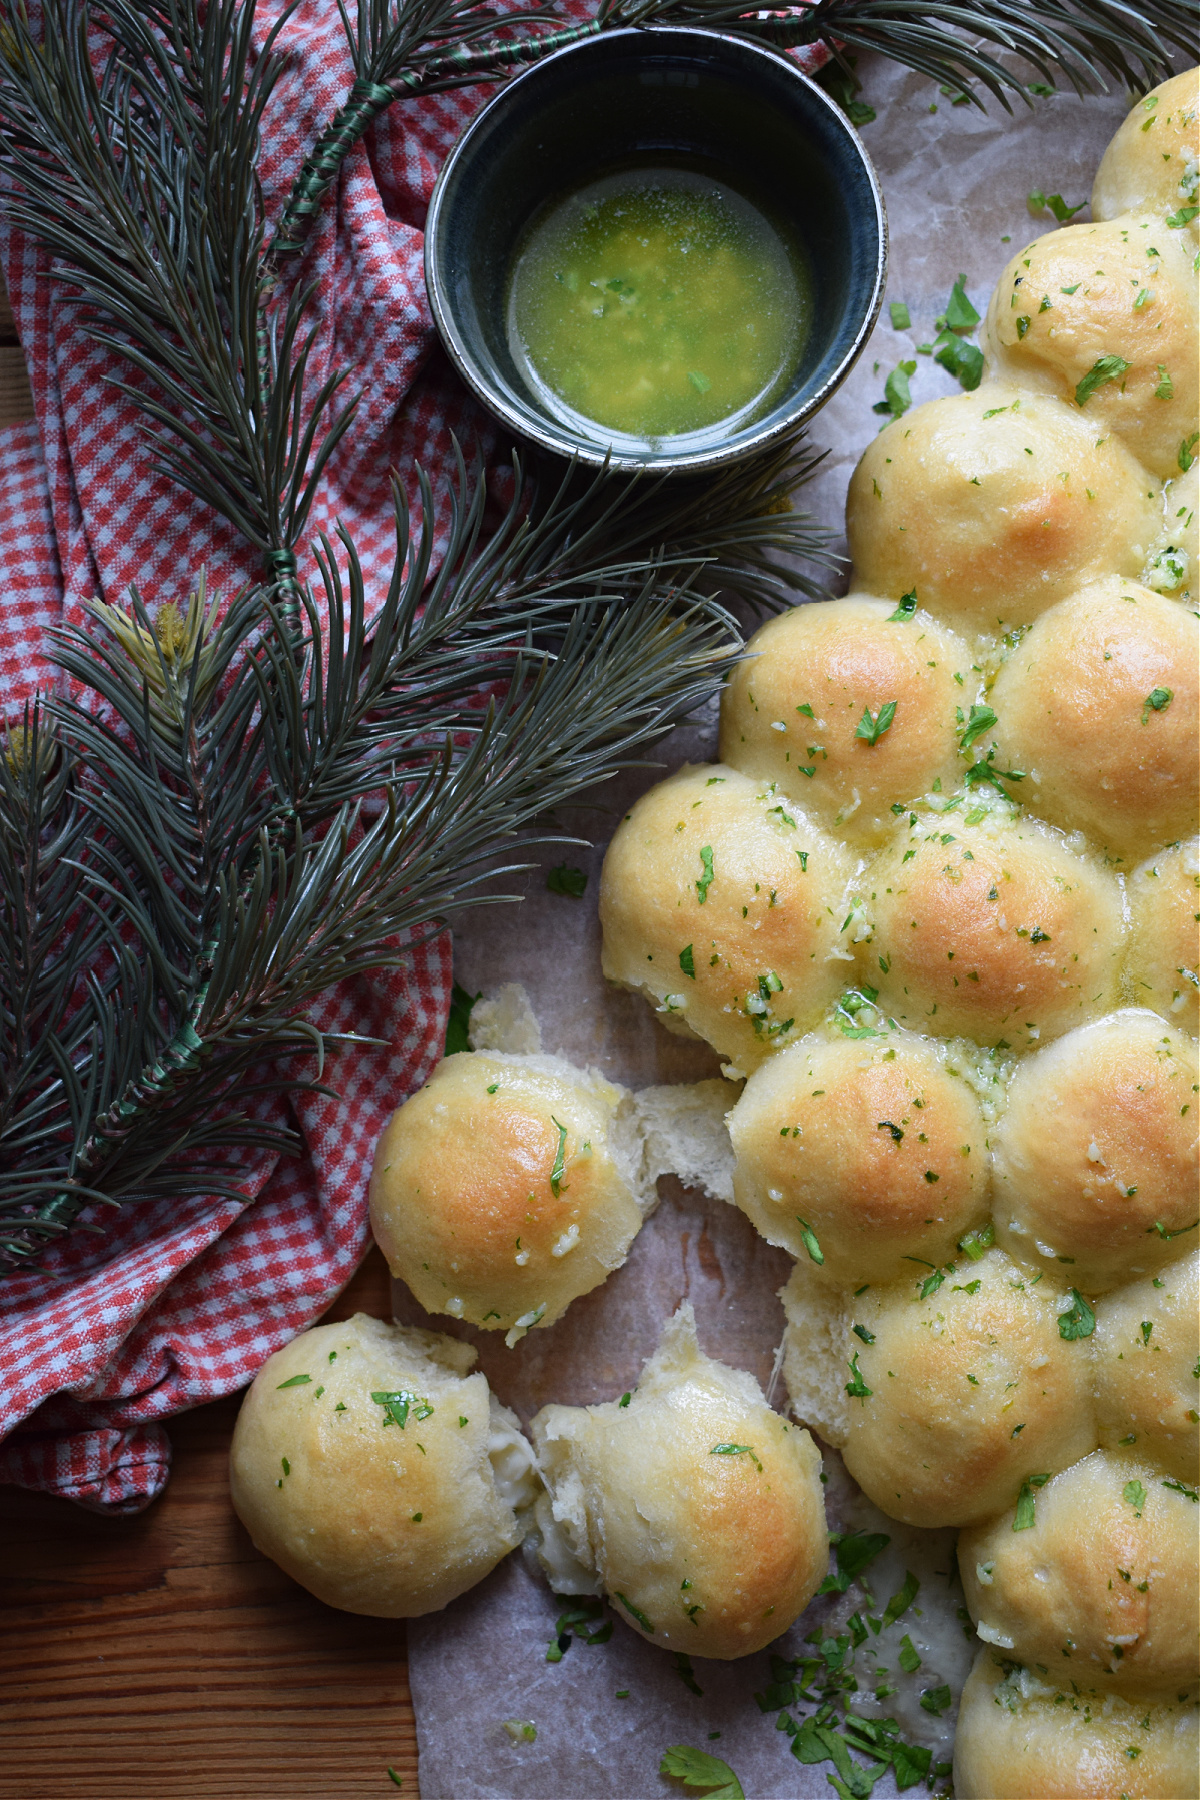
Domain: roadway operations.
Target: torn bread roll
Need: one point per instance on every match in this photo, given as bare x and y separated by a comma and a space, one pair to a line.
1162, 959
508, 1186
692, 1504
372, 1466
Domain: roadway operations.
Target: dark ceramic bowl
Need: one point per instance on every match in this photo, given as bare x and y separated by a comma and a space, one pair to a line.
711, 101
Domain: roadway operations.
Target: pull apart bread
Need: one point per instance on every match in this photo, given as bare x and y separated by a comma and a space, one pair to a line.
937, 905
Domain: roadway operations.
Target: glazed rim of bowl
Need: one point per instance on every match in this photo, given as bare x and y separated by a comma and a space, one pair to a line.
511, 401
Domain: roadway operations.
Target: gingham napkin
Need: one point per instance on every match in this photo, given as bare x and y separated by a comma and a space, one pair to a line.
174, 1305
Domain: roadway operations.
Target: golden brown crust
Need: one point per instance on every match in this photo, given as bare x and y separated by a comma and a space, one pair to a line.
1076, 714
1150, 165
1101, 1586
972, 1390
702, 1508
994, 505
875, 1147
715, 868
1162, 964
1096, 1154
1018, 1735
835, 660
465, 1202
1144, 1357
368, 1515
1114, 297
994, 930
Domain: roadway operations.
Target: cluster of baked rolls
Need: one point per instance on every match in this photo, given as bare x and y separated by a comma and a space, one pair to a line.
938, 905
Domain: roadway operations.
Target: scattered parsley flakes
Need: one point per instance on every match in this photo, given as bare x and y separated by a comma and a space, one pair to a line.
1038, 203
625, 1399
560, 1159
1187, 451
1157, 700
1104, 369
808, 1238
861, 1332
1079, 1321
563, 879
736, 1450
521, 1731
856, 1387
910, 1660
936, 1700
686, 1673
687, 961
897, 396
1166, 387
1181, 1487
399, 1404
900, 315
294, 1381
981, 719
897, 1135
872, 729
976, 1242
708, 875
636, 1613
1135, 1494
902, 1599
853, 1550
905, 610
1026, 1513
698, 1769
1183, 217
397, 1780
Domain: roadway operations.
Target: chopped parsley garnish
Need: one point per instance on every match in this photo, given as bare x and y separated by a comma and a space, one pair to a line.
905, 610
1135, 1494
900, 315
563, 879
1183, 217
397, 1780
1157, 700
981, 719
872, 729
808, 1238
582, 1613
560, 1159
708, 876
294, 1381
1166, 387
902, 1599
686, 1673
285, 1465
976, 1242
1026, 1513
808, 712
1187, 451
1038, 202
458, 1020
1104, 369
856, 1387
1079, 1321
736, 1450
398, 1405
896, 1134
860, 1331
1181, 1487
687, 961
897, 396
636, 1614
960, 315
910, 1660
936, 1700
625, 1399
852, 1551
698, 1769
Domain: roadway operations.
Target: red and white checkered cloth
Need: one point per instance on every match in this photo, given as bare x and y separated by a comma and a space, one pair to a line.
176, 1304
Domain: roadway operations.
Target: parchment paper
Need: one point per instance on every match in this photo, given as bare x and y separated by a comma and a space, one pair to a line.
955, 183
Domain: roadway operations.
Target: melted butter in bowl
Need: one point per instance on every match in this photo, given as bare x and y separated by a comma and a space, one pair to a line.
658, 303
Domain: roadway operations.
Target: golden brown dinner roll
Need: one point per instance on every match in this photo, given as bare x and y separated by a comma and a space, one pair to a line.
996, 930
1098, 706
1104, 316
856, 1153
957, 1398
1145, 1355
692, 1504
722, 903
508, 1186
1150, 165
993, 505
370, 1465
1023, 1737
1162, 964
1097, 1149
1099, 1584
793, 711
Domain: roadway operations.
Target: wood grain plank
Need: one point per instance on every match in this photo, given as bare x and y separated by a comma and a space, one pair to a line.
162, 1658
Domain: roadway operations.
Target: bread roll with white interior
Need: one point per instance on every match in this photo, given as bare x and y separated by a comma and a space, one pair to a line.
1100, 1586
1095, 1155
1162, 962
994, 505
721, 902
957, 1398
860, 1153
1097, 705
1021, 1736
693, 1505
1151, 163
1145, 1353
998, 930
793, 710
1104, 317
376, 1470
508, 1186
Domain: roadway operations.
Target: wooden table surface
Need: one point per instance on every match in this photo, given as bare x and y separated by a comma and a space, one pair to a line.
161, 1657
